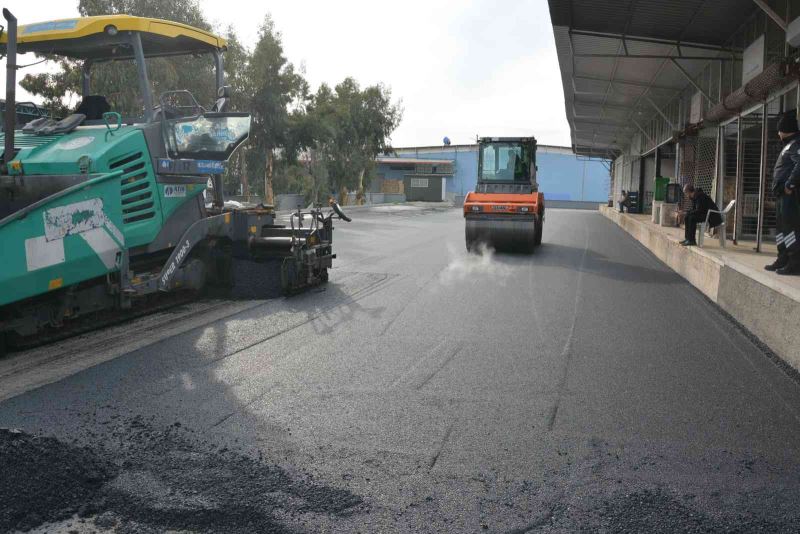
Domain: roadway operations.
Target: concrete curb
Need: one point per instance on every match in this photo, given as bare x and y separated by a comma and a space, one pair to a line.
573, 204
768, 309
699, 267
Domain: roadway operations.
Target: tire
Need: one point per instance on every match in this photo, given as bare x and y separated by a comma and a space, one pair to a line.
537, 240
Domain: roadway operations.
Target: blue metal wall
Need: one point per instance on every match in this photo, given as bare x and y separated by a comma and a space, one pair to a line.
565, 177
391, 174
562, 176
465, 167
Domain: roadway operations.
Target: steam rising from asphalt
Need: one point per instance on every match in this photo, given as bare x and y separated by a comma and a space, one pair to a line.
464, 266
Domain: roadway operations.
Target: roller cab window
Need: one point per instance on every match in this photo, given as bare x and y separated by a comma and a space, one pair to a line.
505, 162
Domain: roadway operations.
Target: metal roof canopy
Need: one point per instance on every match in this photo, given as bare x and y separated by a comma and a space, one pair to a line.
106, 37
622, 60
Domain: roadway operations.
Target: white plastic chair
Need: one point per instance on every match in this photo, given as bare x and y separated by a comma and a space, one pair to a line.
721, 228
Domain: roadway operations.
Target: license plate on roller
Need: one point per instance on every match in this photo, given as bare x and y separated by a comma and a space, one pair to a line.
501, 208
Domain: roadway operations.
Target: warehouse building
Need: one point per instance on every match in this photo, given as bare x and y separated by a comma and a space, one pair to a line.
688, 90
452, 171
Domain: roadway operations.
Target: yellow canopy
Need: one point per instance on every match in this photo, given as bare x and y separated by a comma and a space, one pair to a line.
106, 37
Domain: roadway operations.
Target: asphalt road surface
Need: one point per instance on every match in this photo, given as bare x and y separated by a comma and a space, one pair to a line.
422, 390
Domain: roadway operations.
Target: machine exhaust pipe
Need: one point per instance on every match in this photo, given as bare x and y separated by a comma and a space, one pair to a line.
11, 86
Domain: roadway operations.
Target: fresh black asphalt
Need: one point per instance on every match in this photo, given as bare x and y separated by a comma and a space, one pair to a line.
585, 387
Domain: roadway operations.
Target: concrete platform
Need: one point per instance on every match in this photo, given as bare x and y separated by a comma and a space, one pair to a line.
768, 305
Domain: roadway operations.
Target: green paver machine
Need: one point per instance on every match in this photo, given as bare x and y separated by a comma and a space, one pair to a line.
101, 212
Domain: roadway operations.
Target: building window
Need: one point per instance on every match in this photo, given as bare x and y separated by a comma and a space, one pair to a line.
434, 168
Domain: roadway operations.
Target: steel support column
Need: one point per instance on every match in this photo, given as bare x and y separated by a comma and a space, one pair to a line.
657, 155
762, 179
719, 167
739, 179
641, 187
612, 182
678, 151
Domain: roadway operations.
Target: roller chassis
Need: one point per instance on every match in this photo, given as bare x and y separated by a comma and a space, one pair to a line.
505, 212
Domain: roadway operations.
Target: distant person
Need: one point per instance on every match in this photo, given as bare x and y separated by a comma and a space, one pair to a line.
701, 204
624, 201
785, 186
511, 167
511, 164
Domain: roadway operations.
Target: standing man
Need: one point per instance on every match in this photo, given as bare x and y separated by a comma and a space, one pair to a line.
785, 184
701, 203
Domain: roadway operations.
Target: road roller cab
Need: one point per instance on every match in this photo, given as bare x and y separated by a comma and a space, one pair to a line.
506, 210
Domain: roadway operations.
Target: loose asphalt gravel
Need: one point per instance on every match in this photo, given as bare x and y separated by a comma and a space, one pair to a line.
584, 388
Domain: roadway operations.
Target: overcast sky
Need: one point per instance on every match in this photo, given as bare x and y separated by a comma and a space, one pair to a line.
461, 69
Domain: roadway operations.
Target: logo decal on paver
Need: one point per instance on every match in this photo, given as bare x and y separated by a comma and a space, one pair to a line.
174, 191
210, 166
73, 218
86, 219
49, 26
182, 252
75, 143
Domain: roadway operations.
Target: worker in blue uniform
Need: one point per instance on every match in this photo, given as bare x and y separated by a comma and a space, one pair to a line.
786, 188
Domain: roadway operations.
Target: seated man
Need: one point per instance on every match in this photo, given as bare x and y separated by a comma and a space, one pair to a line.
623, 201
701, 204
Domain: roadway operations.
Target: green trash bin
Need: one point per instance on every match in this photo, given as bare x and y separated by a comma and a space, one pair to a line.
660, 192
